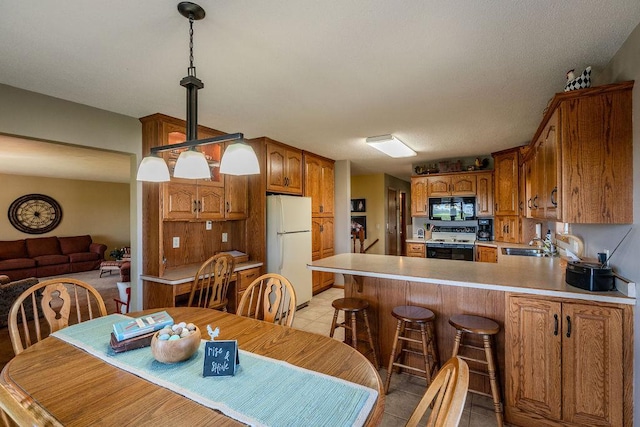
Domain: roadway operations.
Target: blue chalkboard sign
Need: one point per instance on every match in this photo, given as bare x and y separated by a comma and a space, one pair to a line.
220, 358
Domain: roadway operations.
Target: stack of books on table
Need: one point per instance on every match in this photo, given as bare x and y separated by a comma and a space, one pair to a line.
137, 332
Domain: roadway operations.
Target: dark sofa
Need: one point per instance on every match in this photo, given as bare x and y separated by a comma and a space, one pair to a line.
49, 256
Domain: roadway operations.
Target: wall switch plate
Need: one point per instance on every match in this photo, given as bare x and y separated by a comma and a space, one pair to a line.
176, 242
225, 237
209, 225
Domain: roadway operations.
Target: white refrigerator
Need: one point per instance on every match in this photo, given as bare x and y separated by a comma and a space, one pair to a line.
289, 242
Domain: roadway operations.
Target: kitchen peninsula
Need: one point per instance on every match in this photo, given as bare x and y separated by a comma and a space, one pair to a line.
591, 380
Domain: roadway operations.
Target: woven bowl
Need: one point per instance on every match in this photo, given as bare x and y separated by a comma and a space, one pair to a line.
177, 350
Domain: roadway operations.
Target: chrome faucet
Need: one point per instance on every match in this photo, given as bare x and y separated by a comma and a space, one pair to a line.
547, 246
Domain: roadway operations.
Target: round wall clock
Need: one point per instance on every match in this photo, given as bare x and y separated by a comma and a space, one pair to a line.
35, 213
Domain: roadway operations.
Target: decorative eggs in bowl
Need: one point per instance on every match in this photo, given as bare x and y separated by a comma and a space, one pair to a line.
175, 343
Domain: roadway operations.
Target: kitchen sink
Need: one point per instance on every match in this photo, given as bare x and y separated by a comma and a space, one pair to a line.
524, 252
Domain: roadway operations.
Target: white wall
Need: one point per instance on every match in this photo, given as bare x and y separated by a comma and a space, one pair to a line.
29, 114
342, 211
625, 65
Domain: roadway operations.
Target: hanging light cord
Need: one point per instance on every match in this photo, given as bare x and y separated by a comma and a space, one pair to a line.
191, 70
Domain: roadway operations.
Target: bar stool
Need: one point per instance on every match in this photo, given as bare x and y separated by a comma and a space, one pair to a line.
424, 318
486, 328
351, 307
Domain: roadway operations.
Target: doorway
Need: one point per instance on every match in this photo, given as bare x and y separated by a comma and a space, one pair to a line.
392, 222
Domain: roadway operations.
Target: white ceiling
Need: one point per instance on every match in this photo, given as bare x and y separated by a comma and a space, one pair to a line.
450, 78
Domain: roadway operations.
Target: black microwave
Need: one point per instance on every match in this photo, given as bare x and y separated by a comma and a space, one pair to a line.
452, 208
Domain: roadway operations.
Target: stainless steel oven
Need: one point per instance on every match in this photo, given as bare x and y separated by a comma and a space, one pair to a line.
450, 251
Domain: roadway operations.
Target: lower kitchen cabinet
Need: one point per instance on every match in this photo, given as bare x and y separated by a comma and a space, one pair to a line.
321, 247
565, 363
416, 250
507, 228
486, 254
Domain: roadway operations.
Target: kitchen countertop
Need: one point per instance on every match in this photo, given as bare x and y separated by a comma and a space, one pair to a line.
530, 275
186, 273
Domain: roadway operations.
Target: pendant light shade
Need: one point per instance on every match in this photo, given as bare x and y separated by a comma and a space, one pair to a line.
239, 159
192, 164
153, 169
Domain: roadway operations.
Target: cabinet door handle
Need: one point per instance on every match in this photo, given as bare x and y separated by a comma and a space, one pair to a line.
555, 328
199, 206
286, 181
521, 205
568, 326
321, 228
228, 206
321, 208
535, 205
554, 195
195, 206
529, 204
496, 207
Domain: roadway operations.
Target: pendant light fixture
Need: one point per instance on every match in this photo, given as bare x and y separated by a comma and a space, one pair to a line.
238, 158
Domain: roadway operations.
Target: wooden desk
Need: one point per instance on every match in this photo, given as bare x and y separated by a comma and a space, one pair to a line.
79, 389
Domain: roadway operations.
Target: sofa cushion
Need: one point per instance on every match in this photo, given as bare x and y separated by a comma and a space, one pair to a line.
15, 264
13, 249
43, 246
84, 256
9, 293
51, 260
75, 244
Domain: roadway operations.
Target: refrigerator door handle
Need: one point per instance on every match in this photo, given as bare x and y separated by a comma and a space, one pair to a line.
281, 247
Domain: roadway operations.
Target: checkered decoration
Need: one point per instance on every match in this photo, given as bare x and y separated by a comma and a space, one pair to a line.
581, 82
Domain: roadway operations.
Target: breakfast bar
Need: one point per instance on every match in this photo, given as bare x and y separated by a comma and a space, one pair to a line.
519, 293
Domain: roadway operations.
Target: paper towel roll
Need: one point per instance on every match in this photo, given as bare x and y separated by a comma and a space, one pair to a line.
539, 231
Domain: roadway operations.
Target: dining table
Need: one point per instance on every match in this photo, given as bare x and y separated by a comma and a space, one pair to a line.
77, 388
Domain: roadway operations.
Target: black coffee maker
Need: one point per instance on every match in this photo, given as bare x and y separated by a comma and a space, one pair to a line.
485, 229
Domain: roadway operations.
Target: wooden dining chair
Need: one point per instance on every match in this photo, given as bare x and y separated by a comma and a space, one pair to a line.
54, 300
446, 395
211, 283
271, 298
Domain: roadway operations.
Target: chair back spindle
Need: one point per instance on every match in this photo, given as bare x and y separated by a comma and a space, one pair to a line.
211, 283
270, 298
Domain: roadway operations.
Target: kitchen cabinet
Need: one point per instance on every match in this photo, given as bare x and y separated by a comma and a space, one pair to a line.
319, 184
484, 194
580, 160
486, 254
284, 168
417, 250
564, 362
451, 185
242, 282
322, 246
192, 201
419, 196
507, 228
506, 184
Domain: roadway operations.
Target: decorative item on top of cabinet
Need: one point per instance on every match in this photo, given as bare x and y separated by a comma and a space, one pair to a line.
319, 184
486, 254
592, 132
416, 250
284, 168
566, 362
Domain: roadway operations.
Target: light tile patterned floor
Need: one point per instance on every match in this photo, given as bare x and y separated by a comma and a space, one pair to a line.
405, 391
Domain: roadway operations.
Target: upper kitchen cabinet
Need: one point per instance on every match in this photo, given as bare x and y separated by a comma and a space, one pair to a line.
451, 185
580, 159
484, 194
419, 196
506, 166
319, 184
284, 168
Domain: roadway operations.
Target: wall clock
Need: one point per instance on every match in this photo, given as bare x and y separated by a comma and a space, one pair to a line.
35, 214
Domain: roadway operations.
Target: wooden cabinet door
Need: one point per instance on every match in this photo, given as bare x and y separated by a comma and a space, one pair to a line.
438, 186
316, 238
179, 201
507, 229
533, 340
284, 169
419, 196
416, 250
463, 185
327, 249
506, 167
319, 185
486, 254
327, 188
235, 199
550, 155
484, 194
210, 202
592, 365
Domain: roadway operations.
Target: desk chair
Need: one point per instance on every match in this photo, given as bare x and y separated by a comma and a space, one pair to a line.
271, 298
447, 394
211, 283
52, 299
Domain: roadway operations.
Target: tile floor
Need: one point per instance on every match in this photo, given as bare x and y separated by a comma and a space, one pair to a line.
405, 391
